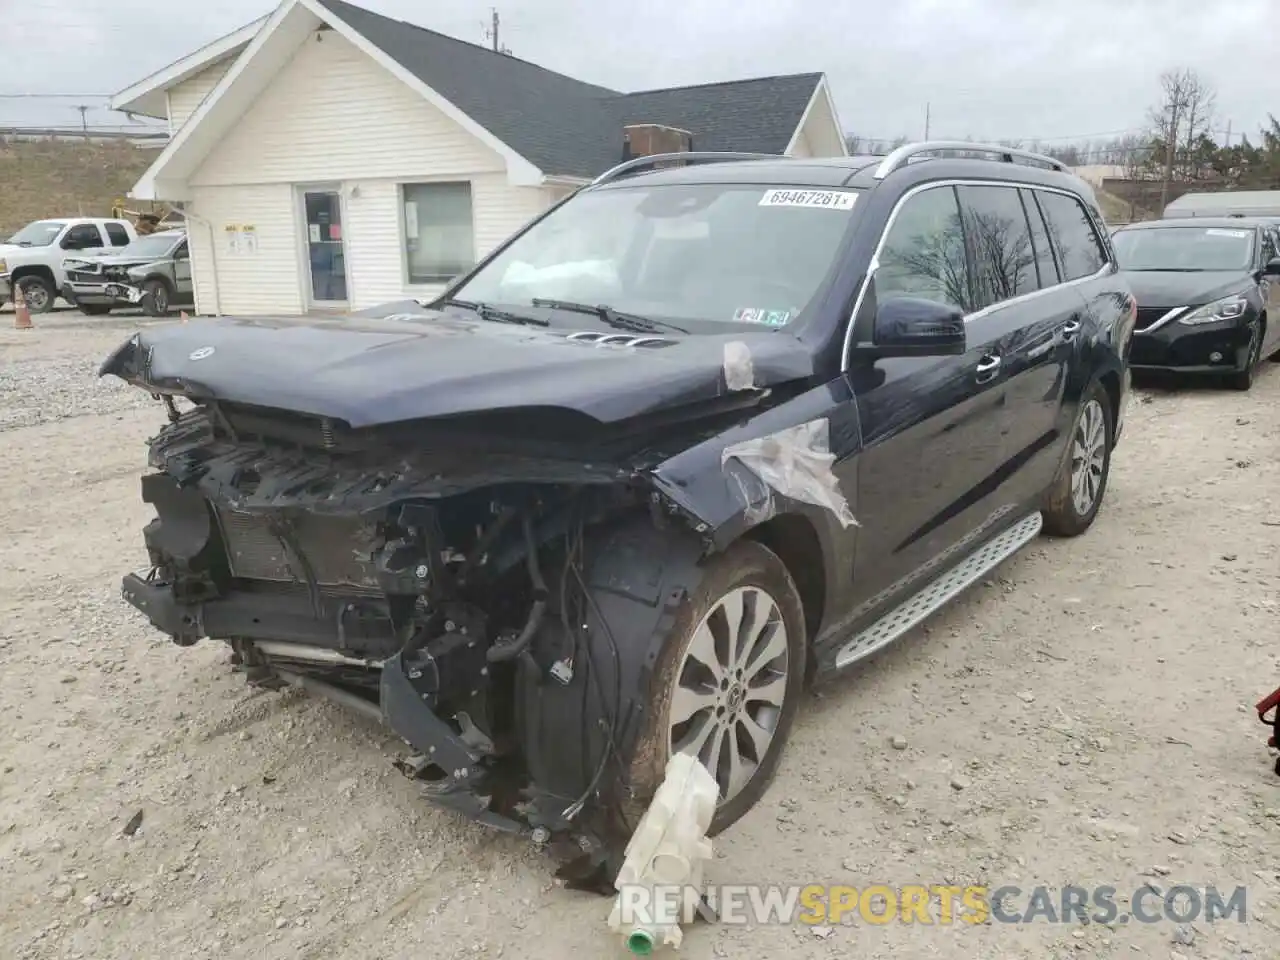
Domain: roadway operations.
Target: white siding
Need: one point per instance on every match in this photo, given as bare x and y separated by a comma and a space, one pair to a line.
802, 148
375, 225
264, 282
185, 97
333, 117
820, 136
334, 114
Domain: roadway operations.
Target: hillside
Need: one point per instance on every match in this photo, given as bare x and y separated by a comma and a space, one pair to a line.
52, 178
1117, 209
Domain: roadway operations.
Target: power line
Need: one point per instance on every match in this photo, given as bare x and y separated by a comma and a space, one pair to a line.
55, 96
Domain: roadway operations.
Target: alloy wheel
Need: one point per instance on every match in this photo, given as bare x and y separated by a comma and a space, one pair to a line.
1088, 457
35, 294
730, 688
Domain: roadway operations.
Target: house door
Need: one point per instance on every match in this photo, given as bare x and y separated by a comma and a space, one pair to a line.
326, 259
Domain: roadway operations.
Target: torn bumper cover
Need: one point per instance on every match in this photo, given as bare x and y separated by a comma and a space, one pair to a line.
401, 706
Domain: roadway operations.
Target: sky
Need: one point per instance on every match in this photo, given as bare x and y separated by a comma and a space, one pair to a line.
1051, 70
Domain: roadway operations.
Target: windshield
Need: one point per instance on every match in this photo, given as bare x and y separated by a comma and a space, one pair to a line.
696, 252
153, 247
38, 234
1192, 249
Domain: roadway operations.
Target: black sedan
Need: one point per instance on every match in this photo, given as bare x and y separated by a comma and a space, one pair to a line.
1208, 294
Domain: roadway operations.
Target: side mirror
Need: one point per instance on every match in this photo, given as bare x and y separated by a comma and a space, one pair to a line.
911, 327
1272, 269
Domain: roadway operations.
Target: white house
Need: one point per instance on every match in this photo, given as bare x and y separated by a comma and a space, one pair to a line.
327, 157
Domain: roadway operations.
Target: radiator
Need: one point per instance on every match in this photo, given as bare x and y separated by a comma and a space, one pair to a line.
335, 548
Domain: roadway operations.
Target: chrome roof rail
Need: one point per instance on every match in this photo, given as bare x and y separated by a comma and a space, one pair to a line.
638, 163
900, 157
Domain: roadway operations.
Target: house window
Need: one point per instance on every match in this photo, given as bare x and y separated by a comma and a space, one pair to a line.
439, 241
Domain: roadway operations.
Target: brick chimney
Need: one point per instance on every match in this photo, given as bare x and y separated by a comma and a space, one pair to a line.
647, 139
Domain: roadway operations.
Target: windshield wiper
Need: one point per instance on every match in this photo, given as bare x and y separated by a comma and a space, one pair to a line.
610, 316
486, 312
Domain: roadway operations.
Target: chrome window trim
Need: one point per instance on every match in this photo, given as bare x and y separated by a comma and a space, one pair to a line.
874, 265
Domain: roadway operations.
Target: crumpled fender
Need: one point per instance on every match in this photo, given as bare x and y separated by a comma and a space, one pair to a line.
780, 461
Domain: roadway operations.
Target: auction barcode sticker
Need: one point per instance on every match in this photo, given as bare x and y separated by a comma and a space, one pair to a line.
826, 199
1237, 234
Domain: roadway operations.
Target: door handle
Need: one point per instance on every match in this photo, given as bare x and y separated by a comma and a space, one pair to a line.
1069, 330
987, 369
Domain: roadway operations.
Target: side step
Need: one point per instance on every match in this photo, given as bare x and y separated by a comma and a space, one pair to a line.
941, 591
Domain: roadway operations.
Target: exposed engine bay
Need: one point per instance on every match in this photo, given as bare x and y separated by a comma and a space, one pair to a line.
502, 627
479, 534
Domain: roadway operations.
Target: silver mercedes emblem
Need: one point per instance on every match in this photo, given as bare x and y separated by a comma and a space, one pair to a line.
201, 353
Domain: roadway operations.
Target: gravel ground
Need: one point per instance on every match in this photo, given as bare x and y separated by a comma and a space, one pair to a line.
1081, 717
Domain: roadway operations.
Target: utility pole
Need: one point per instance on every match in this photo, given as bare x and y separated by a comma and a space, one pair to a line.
491, 33
84, 123
927, 112
1228, 133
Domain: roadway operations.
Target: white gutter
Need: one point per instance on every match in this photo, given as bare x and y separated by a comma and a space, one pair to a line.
213, 260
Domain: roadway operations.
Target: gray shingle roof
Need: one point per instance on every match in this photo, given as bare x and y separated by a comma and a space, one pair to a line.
570, 128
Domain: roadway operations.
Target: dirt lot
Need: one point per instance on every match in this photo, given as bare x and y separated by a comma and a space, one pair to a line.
1079, 718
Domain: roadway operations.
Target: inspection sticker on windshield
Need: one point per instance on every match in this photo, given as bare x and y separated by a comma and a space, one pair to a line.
770, 318
1238, 234
827, 199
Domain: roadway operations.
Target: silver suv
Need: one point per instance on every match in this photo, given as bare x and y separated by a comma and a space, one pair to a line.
153, 272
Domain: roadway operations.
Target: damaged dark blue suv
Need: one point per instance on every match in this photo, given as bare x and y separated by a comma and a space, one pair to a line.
711, 427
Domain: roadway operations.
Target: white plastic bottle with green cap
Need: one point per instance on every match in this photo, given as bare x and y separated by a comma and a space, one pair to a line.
660, 883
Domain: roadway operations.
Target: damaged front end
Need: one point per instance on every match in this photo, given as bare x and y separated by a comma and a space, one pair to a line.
495, 594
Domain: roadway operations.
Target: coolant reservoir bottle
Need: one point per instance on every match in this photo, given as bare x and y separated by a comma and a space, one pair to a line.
660, 883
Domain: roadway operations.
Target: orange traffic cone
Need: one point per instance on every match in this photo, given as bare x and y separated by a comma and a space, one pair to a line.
183, 316
21, 314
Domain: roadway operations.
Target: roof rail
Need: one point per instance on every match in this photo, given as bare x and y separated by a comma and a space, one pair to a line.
638, 163
902, 156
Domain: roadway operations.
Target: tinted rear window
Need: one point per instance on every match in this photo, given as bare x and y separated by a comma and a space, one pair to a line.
1080, 251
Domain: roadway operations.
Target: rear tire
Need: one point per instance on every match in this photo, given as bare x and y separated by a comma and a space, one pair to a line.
37, 291
1077, 491
737, 702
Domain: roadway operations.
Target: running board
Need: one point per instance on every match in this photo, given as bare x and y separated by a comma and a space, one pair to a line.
938, 593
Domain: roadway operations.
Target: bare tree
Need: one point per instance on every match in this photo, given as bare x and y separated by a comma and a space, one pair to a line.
1186, 106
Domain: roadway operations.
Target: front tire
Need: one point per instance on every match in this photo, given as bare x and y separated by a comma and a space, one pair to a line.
1243, 379
729, 679
1076, 494
155, 298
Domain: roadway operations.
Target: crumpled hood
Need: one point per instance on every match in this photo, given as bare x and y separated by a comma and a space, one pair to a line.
367, 371
1171, 288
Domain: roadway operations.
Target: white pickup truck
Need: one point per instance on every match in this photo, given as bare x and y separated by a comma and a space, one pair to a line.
31, 260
